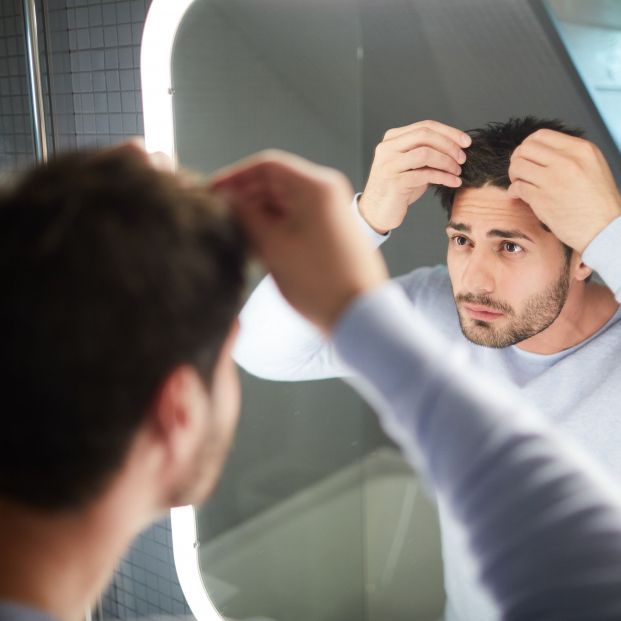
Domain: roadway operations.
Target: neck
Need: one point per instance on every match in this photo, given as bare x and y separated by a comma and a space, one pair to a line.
587, 308
60, 562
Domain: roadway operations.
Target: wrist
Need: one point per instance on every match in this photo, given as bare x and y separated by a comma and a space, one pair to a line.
370, 218
602, 223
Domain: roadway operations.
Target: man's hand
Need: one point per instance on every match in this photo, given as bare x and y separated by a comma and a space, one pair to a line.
567, 183
406, 161
298, 216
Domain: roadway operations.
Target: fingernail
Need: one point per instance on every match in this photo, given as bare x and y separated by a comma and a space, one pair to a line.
465, 140
462, 157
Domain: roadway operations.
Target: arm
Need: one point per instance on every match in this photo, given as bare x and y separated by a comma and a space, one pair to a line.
603, 254
275, 341
568, 184
542, 521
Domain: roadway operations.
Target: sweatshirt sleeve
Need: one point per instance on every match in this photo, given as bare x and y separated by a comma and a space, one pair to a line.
542, 521
603, 254
276, 343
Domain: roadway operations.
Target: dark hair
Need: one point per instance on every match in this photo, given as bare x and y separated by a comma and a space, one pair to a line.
489, 156
112, 274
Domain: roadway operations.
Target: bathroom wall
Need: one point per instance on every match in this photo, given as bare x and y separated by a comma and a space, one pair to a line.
93, 49
104, 58
16, 146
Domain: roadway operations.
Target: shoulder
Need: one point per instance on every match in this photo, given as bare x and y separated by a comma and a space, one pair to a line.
429, 289
426, 282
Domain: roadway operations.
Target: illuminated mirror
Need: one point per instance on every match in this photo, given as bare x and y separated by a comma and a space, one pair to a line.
317, 517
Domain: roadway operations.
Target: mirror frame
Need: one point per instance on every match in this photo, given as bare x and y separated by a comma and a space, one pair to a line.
161, 25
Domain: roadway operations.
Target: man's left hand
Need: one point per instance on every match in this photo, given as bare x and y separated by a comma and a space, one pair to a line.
567, 183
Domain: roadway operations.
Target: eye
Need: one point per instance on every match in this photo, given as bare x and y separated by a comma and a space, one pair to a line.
512, 247
460, 240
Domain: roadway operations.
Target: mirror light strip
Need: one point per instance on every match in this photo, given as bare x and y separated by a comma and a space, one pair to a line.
187, 563
161, 26
158, 38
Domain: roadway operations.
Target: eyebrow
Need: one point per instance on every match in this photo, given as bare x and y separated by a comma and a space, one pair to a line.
505, 234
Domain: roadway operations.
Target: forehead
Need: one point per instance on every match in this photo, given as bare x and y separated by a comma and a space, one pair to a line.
490, 208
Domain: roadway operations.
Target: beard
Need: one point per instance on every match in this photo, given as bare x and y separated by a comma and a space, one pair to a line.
540, 311
204, 469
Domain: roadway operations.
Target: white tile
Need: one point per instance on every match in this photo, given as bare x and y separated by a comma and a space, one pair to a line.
95, 16
116, 124
88, 103
128, 101
109, 14
84, 39
101, 103
99, 81
98, 60
102, 123
97, 37
81, 17
127, 80
114, 102
126, 58
113, 81
112, 58
123, 15
125, 34
110, 36
130, 125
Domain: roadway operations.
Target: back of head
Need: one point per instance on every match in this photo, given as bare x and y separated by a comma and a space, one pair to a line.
489, 155
112, 274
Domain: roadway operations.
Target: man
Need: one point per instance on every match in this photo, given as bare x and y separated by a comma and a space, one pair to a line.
546, 542
120, 289
518, 296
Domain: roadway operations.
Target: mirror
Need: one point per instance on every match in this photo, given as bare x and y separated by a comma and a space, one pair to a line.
317, 516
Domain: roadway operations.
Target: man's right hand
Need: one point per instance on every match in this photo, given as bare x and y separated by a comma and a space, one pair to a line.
406, 161
297, 216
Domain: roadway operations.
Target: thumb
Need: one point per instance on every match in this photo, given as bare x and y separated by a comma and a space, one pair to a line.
258, 214
512, 191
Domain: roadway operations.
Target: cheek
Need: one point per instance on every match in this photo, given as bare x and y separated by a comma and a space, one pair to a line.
455, 268
229, 400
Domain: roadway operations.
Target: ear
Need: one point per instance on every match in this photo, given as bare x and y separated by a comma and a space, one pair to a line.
178, 417
580, 270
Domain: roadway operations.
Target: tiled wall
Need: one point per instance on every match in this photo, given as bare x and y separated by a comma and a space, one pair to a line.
104, 55
104, 44
145, 584
93, 49
16, 147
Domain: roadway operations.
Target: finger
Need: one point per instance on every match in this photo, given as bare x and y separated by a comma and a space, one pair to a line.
426, 157
522, 190
536, 152
458, 136
251, 167
424, 176
425, 137
525, 170
554, 139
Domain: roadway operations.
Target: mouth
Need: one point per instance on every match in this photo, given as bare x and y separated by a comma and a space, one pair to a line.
483, 313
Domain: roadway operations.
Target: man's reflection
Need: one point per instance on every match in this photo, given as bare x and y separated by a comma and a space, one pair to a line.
518, 296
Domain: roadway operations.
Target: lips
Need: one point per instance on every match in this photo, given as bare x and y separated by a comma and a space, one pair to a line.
483, 313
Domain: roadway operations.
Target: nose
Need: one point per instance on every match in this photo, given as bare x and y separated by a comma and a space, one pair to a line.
478, 274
